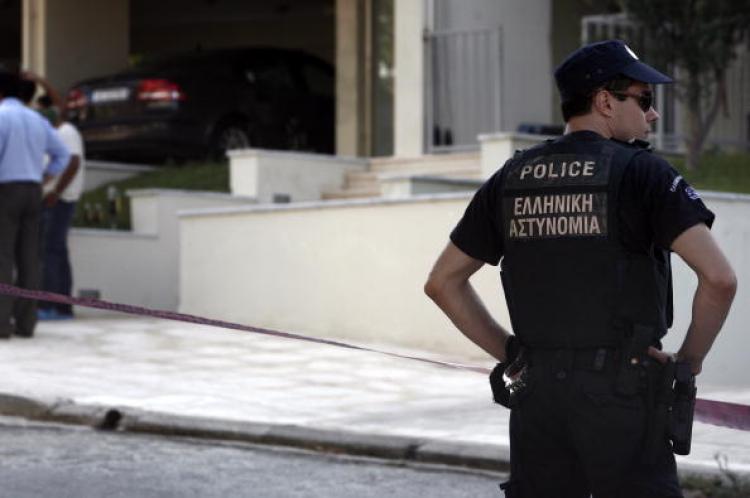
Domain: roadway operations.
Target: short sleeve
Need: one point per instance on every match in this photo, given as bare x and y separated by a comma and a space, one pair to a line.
72, 139
672, 205
479, 232
58, 152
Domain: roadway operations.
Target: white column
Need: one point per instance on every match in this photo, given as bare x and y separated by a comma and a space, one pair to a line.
92, 42
349, 89
34, 39
408, 112
66, 47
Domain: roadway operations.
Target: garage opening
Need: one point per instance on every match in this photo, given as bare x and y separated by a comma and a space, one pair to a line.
10, 34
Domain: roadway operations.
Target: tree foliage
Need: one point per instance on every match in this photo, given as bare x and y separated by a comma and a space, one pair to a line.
699, 38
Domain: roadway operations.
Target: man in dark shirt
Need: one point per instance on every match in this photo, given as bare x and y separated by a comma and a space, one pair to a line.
584, 226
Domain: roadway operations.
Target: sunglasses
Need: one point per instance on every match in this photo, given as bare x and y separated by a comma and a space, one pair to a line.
645, 99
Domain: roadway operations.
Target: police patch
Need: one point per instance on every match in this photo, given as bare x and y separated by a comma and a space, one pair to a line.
556, 215
558, 171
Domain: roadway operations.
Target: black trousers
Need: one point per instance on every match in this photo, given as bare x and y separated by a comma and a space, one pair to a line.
574, 436
20, 211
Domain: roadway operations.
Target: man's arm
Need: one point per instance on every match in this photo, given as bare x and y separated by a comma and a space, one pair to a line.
717, 285
58, 152
56, 98
67, 176
448, 285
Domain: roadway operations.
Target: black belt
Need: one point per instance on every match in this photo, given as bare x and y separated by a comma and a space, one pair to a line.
597, 359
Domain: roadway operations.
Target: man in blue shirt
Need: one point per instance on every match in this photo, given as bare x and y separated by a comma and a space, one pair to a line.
25, 138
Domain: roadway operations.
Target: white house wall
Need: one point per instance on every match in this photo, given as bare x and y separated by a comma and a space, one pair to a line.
139, 267
356, 269
527, 82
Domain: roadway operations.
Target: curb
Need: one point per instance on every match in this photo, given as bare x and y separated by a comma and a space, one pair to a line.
401, 448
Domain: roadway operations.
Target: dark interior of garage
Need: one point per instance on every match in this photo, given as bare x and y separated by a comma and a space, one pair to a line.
10, 33
184, 25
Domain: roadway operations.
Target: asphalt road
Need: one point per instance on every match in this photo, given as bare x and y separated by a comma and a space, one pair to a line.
48, 460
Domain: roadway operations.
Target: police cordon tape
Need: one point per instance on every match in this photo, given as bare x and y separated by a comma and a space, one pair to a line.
721, 413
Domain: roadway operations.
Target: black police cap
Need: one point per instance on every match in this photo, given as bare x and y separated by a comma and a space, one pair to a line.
592, 65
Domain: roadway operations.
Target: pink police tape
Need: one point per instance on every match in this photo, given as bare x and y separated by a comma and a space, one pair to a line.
721, 413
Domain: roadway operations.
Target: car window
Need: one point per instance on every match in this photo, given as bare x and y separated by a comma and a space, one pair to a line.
269, 77
319, 81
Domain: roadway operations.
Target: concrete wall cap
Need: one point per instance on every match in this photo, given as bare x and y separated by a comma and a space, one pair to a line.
315, 205
297, 156
473, 182
119, 167
202, 194
725, 196
105, 232
513, 135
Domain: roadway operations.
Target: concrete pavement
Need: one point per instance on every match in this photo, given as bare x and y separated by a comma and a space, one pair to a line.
169, 377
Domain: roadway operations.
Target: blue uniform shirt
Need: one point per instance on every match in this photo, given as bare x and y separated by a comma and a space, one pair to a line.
25, 137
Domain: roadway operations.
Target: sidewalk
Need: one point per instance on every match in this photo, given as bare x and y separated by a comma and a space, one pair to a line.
230, 377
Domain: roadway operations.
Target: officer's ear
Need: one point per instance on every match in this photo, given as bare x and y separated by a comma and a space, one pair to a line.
602, 102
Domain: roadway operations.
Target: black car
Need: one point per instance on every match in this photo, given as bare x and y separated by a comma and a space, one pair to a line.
204, 103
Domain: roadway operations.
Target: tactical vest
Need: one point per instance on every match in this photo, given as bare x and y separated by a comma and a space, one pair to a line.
569, 282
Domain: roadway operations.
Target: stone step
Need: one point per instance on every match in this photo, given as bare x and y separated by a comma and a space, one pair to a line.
361, 179
351, 193
468, 162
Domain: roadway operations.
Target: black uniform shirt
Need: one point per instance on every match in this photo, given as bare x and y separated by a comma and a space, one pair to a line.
656, 205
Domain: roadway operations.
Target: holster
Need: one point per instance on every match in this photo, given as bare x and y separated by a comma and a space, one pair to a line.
683, 408
671, 398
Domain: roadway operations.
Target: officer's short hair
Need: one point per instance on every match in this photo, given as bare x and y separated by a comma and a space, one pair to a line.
580, 105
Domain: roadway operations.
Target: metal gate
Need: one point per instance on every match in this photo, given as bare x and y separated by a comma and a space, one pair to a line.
463, 87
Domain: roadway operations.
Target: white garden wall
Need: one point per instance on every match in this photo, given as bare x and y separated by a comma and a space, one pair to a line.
356, 269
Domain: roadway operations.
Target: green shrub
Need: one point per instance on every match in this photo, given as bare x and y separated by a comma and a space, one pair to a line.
718, 172
95, 210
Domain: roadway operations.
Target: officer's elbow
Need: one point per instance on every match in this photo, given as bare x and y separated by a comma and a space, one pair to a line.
723, 284
434, 287
729, 285
431, 288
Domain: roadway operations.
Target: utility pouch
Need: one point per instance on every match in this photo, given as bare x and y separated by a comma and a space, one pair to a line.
630, 372
683, 409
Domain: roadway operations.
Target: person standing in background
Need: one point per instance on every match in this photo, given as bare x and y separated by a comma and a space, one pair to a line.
60, 197
25, 137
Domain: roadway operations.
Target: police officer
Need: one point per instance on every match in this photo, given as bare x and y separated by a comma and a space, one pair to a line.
583, 227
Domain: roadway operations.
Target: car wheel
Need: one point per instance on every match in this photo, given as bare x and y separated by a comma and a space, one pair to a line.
228, 137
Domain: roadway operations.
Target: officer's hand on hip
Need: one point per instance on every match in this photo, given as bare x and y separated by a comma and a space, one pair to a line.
664, 358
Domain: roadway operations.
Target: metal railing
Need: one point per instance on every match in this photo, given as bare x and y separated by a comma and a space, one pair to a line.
463, 87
